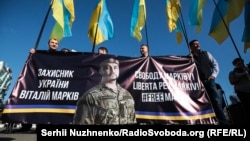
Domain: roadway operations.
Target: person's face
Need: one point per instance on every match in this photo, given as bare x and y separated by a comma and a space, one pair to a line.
239, 64
53, 44
102, 51
110, 71
144, 50
195, 45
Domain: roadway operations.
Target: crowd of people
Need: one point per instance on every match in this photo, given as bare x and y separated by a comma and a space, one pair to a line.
96, 106
239, 77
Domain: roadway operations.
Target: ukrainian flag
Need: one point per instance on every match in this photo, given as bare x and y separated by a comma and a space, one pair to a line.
64, 14
173, 8
138, 19
225, 12
101, 26
195, 13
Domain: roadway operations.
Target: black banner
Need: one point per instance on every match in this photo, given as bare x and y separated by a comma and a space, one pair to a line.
166, 89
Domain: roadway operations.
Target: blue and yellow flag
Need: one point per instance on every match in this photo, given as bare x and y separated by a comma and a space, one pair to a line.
173, 9
195, 13
246, 34
227, 10
101, 26
64, 14
138, 19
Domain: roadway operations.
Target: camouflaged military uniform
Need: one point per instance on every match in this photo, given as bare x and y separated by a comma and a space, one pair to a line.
102, 106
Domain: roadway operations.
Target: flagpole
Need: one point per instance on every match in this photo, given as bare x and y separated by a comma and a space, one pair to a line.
227, 29
43, 25
146, 28
183, 29
181, 21
93, 47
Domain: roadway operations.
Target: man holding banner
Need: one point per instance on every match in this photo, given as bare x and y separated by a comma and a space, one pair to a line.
208, 69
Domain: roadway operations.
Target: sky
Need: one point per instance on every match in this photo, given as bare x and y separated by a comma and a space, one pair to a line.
22, 20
